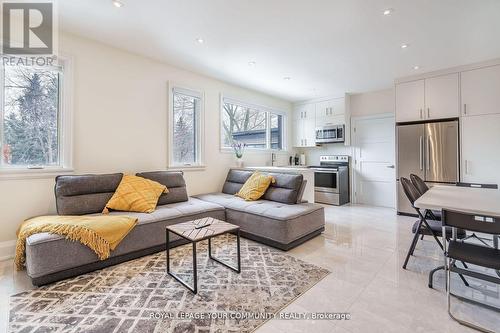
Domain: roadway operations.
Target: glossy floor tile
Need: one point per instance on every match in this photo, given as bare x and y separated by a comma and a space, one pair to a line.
364, 248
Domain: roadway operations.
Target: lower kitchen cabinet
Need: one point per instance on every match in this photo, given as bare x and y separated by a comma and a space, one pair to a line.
480, 161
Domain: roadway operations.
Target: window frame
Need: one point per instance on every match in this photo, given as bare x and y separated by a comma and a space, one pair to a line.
199, 127
65, 129
269, 111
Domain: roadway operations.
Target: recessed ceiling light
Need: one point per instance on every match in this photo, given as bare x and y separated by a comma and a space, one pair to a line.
118, 3
388, 11
200, 40
416, 67
252, 63
404, 46
287, 78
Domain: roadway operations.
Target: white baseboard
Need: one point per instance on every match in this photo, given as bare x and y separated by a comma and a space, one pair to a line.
7, 249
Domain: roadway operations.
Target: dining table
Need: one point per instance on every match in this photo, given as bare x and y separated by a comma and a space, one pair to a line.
472, 200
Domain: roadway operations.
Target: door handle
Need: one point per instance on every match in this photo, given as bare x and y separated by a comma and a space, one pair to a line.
391, 166
427, 153
465, 109
421, 152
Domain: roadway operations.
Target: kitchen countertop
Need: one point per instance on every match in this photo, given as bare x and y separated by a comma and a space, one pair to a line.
301, 168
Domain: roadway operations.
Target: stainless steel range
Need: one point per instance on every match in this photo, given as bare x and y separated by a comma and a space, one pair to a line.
331, 180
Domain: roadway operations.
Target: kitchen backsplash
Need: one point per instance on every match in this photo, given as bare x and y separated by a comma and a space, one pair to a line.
313, 154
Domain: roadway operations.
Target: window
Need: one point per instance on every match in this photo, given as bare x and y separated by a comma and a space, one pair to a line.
186, 128
31, 126
258, 127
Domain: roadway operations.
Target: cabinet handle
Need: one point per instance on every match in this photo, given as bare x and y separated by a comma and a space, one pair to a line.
428, 112
305, 143
466, 167
421, 114
465, 109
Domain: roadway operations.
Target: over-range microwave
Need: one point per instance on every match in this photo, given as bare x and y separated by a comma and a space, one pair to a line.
330, 134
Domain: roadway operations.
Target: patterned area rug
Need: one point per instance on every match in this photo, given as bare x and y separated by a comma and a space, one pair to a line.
138, 296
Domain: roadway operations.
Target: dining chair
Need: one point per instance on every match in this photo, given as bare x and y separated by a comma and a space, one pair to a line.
425, 226
472, 253
422, 187
487, 186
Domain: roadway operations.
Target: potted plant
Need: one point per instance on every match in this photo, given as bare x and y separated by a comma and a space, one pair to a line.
239, 148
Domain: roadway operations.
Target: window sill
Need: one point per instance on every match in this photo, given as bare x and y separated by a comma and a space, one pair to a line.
17, 174
186, 168
256, 151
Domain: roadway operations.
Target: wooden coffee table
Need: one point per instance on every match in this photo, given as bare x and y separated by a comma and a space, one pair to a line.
196, 231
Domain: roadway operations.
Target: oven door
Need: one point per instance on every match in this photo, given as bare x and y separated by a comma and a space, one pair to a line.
326, 180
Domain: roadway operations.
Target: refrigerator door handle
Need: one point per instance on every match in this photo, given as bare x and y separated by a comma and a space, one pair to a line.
427, 154
421, 153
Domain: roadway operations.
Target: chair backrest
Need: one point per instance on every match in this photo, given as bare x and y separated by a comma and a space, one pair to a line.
473, 222
410, 190
419, 183
492, 186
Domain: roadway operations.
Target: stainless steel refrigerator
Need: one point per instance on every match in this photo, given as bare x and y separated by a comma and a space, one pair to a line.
429, 150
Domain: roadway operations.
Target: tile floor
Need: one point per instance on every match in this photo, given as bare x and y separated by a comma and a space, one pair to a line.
364, 248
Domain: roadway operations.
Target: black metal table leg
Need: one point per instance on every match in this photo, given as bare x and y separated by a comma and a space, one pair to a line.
237, 270
193, 289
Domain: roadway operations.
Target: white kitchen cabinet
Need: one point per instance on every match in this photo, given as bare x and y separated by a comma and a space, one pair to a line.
410, 101
480, 139
480, 90
442, 97
428, 99
330, 112
304, 125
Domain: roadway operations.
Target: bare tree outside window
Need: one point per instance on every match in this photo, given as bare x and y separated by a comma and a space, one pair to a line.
184, 123
30, 135
250, 126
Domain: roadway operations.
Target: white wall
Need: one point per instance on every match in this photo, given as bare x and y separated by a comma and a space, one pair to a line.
372, 103
120, 125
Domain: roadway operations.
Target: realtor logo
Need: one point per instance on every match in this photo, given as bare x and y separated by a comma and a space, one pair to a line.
28, 28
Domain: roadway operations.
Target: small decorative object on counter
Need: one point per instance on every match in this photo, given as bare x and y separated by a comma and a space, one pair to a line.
239, 148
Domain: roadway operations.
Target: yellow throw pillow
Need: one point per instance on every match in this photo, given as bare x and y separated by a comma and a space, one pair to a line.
255, 186
136, 194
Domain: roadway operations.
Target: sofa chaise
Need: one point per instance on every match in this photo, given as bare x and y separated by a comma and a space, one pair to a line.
279, 219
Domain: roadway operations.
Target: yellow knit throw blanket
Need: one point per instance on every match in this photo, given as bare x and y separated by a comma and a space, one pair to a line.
100, 233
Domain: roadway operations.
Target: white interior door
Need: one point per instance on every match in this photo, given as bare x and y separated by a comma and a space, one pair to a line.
374, 161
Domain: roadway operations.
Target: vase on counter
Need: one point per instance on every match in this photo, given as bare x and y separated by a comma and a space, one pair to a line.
239, 162
238, 148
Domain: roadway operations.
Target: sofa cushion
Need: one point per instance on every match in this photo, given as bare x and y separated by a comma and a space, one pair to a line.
48, 253
264, 208
255, 186
136, 194
84, 194
285, 189
173, 180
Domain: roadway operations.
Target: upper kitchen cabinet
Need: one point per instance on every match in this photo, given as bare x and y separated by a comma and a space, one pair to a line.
304, 125
432, 98
480, 90
309, 116
442, 97
330, 112
410, 101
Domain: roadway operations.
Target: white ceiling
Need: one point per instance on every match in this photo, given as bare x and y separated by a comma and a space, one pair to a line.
327, 47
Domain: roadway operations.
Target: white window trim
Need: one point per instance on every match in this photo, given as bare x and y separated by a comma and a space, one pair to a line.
65, 126
199, 165
284, 114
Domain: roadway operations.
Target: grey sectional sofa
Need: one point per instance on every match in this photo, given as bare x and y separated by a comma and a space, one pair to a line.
276, 220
